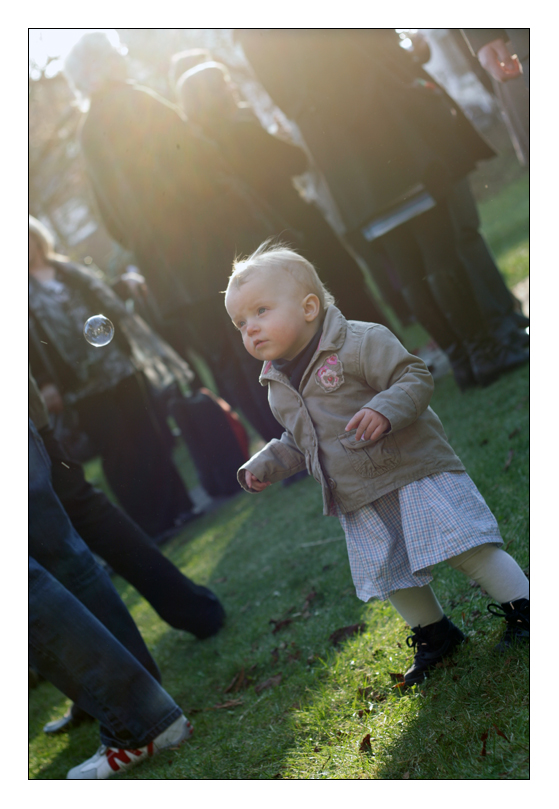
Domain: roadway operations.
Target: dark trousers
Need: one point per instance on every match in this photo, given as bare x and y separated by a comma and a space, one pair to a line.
113, 536
448, 275
136, 454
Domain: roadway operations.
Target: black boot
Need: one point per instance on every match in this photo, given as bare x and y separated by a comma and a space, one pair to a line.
489, 359
431, 643
517, 618
461, 366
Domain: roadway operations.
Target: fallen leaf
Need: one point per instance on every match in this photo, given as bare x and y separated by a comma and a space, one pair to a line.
275, 654
316, 749
280, 624
514, 432
346, 632
500, 733
396, 677
367, 691
239, 681
509, 460
231, 703
365, 746
269, 683
483, 738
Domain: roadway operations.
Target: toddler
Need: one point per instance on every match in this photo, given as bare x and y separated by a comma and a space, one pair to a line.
354, 405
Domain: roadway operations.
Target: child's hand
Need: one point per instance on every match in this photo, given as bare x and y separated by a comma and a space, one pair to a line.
369, 424
253, 483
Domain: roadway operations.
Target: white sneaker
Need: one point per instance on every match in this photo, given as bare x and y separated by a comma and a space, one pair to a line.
110, 760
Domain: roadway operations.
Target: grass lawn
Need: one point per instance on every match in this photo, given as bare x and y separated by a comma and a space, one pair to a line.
281, 700
274, 696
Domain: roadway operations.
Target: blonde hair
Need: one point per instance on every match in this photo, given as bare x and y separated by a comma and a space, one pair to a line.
276, 256
44, 239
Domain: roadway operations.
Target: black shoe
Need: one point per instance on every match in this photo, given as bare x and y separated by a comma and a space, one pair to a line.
432, 643
489, 360
461, 366
517, 617
71, 719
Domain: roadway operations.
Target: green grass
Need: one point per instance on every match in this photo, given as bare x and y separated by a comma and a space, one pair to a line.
273, 556
505, 225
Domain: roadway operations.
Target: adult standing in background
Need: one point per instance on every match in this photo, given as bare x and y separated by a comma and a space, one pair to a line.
110, 389
164, 194
267, 165
395, 152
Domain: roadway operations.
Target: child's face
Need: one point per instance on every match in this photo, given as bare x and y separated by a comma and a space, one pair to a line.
274, 314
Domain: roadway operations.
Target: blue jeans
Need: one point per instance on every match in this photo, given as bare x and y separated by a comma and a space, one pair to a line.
81, 636
71, 648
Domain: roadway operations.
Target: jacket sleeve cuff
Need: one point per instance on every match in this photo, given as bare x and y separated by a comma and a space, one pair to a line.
273, 463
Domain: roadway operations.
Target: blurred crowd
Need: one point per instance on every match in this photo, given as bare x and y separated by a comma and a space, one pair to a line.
186, 187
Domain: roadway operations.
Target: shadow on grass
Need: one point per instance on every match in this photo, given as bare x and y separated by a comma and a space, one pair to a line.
271, 697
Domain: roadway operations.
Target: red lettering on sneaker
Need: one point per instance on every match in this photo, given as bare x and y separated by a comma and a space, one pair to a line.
113, 756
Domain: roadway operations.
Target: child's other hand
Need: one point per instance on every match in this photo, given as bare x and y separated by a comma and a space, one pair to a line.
369, 424
253, 483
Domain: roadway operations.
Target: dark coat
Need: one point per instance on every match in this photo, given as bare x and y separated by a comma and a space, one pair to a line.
164, 194
267, 165
146, 350
376, 124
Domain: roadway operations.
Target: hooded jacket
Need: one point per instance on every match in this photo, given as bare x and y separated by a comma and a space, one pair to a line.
356, 365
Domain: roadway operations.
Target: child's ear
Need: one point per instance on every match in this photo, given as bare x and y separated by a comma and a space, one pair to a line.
311, 307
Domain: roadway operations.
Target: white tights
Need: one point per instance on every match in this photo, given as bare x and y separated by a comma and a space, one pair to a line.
490, 566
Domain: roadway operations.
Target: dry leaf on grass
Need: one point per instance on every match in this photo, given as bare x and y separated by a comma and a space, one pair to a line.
346, 632
269, 683
231, 703
365, 746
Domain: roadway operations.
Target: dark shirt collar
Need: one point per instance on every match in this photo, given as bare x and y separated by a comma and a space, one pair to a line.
295, 368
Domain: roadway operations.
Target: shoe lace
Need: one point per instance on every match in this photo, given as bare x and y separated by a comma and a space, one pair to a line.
512, 616
415, 642
497, 610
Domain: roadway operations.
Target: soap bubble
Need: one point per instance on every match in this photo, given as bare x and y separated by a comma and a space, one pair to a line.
98, 331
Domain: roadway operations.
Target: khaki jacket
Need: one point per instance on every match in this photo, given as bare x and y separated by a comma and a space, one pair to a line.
356, 365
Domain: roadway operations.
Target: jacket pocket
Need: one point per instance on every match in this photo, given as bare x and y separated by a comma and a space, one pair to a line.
370, 459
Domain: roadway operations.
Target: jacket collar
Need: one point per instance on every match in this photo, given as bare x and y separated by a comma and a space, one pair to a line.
333, 337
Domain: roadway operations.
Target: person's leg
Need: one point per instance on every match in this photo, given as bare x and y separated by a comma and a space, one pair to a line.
495, 571
70, 647
56, 546
73, 650
418, 606
113, 536
503, 579
492, 294
405, 254
384, 274
453, 291
136, 458
434, 637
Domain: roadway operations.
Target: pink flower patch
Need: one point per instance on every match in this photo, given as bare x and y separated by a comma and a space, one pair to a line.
330, 376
